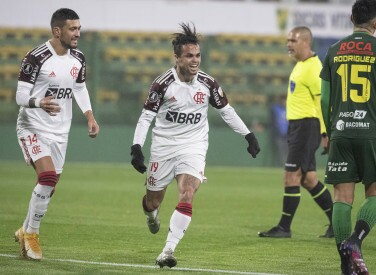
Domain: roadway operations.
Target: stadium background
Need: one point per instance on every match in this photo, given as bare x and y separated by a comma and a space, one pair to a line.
128, 43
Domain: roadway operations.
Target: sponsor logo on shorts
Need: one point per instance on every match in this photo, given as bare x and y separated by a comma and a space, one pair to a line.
337, 166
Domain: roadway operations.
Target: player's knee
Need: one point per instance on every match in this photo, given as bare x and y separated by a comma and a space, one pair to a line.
187, 196
48, 178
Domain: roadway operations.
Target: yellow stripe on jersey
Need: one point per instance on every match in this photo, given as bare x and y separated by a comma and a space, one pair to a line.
304, 89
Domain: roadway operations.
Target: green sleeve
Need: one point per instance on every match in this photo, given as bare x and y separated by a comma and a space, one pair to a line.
325, 104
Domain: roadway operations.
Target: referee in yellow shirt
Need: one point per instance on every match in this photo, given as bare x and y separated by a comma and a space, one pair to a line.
305, 133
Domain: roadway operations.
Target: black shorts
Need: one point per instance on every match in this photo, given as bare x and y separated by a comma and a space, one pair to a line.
303, 140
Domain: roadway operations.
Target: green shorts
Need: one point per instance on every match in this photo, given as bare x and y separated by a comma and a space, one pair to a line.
351, 160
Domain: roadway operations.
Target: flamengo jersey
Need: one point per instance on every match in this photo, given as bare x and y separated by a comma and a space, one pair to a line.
181, 109
350, 68
46, 73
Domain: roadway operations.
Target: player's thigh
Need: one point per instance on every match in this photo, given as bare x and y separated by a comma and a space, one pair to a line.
160, 174
193, 165
341, 166
46, 154
365, 157
371, 190
58, 153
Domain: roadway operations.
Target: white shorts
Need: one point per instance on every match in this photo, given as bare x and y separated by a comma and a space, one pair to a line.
161, 173
35, 146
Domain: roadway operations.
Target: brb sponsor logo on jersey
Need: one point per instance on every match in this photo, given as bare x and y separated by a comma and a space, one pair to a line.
59, 93
183, 118
187, 118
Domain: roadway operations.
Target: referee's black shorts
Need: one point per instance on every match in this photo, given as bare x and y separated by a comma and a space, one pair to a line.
303, 140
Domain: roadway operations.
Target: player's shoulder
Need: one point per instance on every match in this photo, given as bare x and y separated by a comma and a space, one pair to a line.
206, 80
41, 52
165, 79
76, 53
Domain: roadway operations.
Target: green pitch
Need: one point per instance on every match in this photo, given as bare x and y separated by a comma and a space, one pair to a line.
95, 225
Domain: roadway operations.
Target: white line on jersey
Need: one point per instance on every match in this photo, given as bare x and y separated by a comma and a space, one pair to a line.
163, 77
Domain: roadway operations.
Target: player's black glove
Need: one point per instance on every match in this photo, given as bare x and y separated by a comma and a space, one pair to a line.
253, 146
138, 158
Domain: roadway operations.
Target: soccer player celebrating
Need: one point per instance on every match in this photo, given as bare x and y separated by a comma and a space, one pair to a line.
349, 110
178, 99
50, 76
305, 132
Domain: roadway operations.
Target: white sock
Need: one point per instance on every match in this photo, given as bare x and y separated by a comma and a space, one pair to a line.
26, 221
38, 206
178, 225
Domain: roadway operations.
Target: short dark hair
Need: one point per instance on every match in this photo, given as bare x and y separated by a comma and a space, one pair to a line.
363, 11
61, 15
187, 36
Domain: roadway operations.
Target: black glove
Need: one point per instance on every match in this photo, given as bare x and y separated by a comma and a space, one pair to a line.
253, 146
138, 158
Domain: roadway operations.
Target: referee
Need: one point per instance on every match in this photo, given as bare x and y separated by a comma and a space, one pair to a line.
305, 133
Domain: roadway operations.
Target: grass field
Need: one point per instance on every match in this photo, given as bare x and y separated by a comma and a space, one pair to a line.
95, 225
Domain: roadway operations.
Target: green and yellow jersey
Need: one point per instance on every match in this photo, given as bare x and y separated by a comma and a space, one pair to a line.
304, 90
349, 87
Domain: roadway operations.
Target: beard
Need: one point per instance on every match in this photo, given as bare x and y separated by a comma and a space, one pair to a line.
66, 45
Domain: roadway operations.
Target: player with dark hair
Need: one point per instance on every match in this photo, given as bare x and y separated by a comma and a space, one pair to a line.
178, 99
305, 132
50, 76
349, 110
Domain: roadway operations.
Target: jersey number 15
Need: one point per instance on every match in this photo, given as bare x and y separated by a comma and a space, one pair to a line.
357, 96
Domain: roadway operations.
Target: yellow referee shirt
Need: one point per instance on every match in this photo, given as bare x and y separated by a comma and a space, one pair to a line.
304, 90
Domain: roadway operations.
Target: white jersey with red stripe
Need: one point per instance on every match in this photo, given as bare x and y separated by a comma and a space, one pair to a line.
45, 73
181, 110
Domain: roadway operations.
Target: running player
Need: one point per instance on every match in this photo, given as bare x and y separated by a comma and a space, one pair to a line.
50, 76
178, 99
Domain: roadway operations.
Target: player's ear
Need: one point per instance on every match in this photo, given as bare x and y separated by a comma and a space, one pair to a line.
56, 31
374, 23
